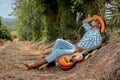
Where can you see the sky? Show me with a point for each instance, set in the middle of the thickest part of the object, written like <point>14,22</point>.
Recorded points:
<point>6,8</point>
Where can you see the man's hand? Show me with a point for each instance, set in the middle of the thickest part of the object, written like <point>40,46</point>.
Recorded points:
<point>95,17</point>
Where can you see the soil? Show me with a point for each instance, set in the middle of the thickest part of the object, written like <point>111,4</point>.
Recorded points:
<point>104,65</point>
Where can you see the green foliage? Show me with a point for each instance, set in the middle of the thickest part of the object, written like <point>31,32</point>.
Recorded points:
<point>4,33</point>
<point>50,19</point>
<point>66,19</point>
<point>114,8</point>
<point>29,22</point>
<point>42,19</point>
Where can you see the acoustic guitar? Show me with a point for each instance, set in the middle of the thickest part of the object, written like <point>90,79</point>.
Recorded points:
<point>68,61</point>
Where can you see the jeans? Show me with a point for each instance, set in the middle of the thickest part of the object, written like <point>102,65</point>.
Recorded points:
<point>60,47</point>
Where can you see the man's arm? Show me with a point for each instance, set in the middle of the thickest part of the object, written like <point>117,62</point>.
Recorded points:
<point>88,20</point>
<point>85,22</point>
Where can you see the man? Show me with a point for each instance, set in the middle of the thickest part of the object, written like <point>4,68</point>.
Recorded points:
<point>91,38</point>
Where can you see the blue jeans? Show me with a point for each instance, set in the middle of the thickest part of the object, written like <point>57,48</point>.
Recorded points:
<point>60,47</point>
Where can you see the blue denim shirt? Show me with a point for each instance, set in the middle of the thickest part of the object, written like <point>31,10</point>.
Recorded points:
<point>91,38</point>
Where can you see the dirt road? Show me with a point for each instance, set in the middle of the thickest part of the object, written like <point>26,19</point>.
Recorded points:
<point>105,65</point>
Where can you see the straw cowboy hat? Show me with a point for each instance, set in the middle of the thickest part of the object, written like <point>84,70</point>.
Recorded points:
<point>102,21</point>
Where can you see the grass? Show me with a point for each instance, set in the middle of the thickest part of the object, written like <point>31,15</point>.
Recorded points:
<point>113,32</point>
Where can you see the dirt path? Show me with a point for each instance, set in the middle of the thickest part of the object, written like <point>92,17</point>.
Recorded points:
<point>104,65</point>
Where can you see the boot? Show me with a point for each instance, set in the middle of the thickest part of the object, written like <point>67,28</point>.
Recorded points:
<point>31,66</point>
<point>36,64</point>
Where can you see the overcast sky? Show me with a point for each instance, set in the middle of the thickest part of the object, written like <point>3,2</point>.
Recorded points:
<point>6,8</point>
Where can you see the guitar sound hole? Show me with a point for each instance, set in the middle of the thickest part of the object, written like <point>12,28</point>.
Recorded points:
<point>72,60</point>
<point>65,59</point>
<point>73,56</point>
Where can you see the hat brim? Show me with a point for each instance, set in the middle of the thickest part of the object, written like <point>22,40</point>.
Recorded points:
<point>102,23</point>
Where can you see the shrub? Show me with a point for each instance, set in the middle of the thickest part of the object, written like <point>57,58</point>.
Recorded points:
<point>4,33</point>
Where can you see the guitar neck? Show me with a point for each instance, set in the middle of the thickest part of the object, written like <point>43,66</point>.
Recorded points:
<point>86,52</point>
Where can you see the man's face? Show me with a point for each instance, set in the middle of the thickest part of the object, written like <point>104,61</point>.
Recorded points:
<point>95,23</point>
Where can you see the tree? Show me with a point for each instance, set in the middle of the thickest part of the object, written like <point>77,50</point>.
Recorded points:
<point>50,19</point>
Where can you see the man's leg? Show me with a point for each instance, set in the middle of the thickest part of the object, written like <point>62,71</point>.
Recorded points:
<point>60,44</point>
<point>61,47</point>
<point>58,52</point>
<point>63,44</point>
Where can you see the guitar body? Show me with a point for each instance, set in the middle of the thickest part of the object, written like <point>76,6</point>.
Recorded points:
<point>68,61</point>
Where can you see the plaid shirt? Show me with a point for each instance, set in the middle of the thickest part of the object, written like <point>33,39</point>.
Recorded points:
<point>91,38</point>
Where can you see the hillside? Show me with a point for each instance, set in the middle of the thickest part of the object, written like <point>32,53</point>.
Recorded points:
<point>9,22</point>
<point>105,65</point>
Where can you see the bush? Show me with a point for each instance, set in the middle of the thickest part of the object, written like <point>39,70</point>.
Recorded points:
<point>4,33</point>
